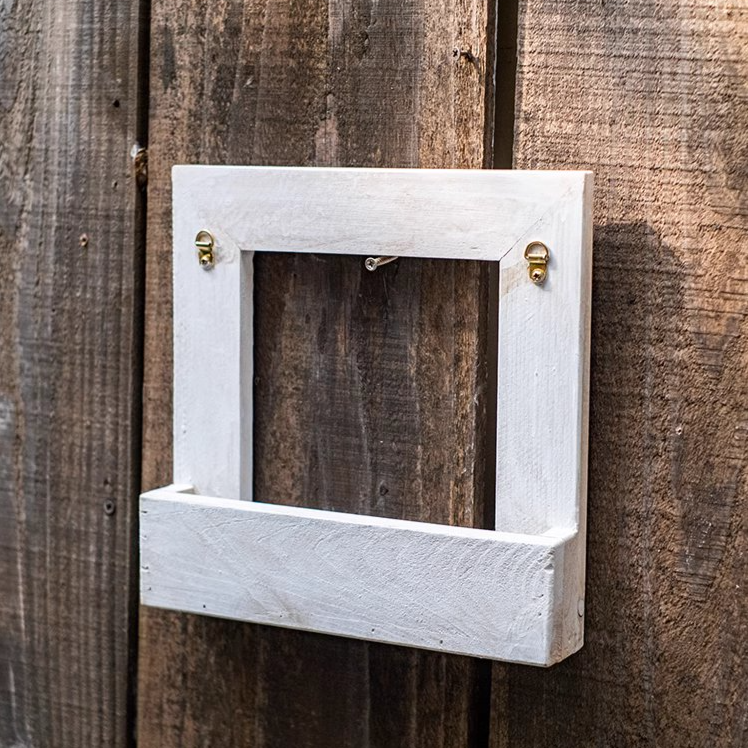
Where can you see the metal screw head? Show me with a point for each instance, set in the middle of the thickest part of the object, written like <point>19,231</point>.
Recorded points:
<point>206,260</point>
<point>537,275</point>
<point>372,263</point>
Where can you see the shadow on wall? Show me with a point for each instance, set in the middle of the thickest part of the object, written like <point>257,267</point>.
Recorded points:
<point>665,471</point>
<point>651,436</point>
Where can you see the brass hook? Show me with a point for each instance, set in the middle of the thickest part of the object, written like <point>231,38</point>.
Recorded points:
<point>205,244</point>
<point>537,255</point>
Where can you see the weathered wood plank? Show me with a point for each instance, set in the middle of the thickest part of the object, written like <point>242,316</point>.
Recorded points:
<point>453,589</point>
<point>69,371</point>
<point>652,98</point>
<point>382,372</point>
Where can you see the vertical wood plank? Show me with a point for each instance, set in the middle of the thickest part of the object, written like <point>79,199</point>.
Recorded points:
<point>70,367</point>
<point>370,388</point>
<point>652,97</point>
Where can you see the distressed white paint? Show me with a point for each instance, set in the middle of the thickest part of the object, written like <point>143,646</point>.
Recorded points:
<point>541,465</point>
<point>456,589</point>
<point>542,399</point>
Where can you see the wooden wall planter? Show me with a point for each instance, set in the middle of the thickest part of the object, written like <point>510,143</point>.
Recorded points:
<point>207,546</point>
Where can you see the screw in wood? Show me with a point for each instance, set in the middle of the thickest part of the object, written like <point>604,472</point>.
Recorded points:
<point>205,243</point>
<point>372,263</point>
<point>537,255</point>
<point>537,275</point>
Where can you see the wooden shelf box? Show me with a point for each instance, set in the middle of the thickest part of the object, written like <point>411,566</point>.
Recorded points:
<point>209,546</point>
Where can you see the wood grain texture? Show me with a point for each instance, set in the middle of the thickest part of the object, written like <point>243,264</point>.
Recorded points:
<point>385,370</point>
<point>490,215</point>
<point>502,596</point>
<point>454,214</point>
<point>651,97</point>
<point>69,371</point>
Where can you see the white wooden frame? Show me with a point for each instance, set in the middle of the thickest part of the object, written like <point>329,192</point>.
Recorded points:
<point>514,594</point>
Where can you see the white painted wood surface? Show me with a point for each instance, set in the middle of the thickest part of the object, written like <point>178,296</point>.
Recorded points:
<point>449,213</point>
<point>473,592</point>
<point>543,369</point>
<point>543,360</point>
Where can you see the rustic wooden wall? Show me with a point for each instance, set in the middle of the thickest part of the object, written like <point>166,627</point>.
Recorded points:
<point>70,343</point>
<point>369,387</point>
<point>654,98</point>
<point>366,384</point>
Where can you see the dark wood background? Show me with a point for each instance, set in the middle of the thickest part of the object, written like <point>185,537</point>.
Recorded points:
<point>72,106</point>
<point>371,388</point>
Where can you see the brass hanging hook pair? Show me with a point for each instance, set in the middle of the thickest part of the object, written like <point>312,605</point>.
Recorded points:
<point>536,254</point>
